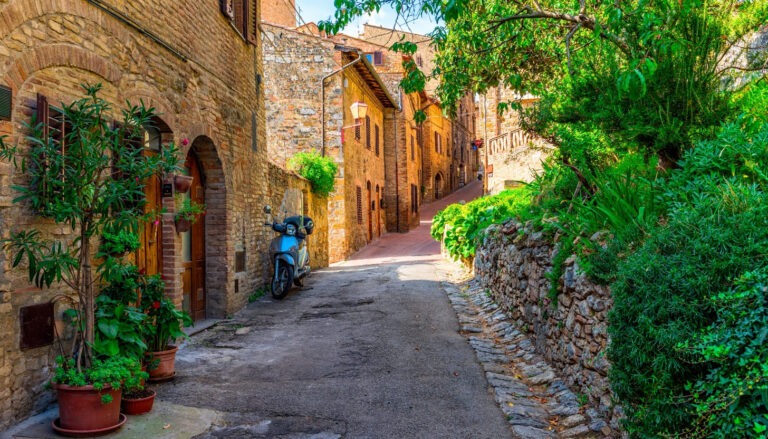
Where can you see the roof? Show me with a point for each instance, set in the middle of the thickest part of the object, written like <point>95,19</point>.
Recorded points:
<point>369,75</point>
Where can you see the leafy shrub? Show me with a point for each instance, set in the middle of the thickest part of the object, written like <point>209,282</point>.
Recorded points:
<point>731,400</point>
<point>716,229</point>
<point>320,171</point>
<point>460,226</point>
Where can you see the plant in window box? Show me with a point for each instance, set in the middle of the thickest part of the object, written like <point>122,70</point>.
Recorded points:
<point>188,211</point>
<point>163,327</point>
<point>97,174</point>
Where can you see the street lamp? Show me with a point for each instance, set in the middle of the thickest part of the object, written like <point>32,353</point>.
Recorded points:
<point>359,110</point>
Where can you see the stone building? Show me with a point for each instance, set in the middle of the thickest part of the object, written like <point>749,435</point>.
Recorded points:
<point>510,156</point>
<point>206,87</point>
<point>310,83</point>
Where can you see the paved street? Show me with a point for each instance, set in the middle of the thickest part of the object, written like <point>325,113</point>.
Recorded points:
<point>368,348</point>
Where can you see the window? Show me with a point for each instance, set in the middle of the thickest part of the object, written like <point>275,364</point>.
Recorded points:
<point>414,199</point>
<point>357,131</point>
<point>437,146</point>
<point>56,129</point>
<point>419,61</point>
<point>359,193</point>
<point>244,16</point>
<point>413,152</point>
<point>376,140</point>
<point>368,132</point>
<point>378,58</point>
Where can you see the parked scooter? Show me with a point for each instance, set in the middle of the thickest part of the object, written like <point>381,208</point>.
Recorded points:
<point>288,252</point>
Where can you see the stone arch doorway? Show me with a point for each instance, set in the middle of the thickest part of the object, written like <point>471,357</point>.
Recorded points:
<point>203,255</point>
<point>438,185</point>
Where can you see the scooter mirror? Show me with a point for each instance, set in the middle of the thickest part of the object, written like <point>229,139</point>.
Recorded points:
<point>267,209</point>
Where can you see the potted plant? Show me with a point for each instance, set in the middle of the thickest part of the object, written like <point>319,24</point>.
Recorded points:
<point>89,399</point>
<point>187,212</point>
<point>91,180</point>
<point>163,328</point>
<point>137,399</point>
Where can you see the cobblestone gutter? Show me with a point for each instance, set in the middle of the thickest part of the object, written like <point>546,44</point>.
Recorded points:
<point>570,334</point>
<point>535,400</point>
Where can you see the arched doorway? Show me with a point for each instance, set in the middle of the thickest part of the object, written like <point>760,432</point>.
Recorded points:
<point>193,246</point>
<point>438,185</point>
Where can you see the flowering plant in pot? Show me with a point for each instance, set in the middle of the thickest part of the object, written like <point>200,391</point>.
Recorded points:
<point>91,180</point>
<point>188,211</point>
<point>163,327</point>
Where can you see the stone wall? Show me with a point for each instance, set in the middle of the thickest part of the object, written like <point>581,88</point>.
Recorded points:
<point>314,207</point>
<point>570,333</point>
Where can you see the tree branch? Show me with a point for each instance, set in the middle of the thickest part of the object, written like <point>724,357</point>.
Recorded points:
<point>581,19</point>
<point>568,48</point>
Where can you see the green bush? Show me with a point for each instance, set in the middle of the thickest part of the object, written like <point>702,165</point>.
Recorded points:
<point>731,400</point>
<point>320,171</point>
<point>716,229</point>
<point>460,226</point>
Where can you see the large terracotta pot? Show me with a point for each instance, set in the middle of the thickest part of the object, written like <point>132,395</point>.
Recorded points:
<point>81,409</point>
<point>166,368</point>
<point>138,406</point>
<point>182,182</point>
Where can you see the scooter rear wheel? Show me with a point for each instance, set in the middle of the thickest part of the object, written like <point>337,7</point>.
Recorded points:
<point>282,280</point>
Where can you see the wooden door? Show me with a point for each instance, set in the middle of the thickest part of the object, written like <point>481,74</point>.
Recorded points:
<point>193,244</point>
<point>149,256</point>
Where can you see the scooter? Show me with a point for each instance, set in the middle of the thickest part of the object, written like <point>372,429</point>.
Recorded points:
<point>288,252</point>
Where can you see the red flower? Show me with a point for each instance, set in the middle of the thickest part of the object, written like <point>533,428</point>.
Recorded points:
<point>156,304</point>
<point>142,271</point>
<point>185,141</point>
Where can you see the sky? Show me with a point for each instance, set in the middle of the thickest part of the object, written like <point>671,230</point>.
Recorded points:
<point>316,10</point>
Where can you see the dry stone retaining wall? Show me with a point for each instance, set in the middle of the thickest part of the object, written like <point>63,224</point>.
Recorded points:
<point>512,262</point>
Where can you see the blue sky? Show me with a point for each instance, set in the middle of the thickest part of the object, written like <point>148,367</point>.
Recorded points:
<point>316,10</point>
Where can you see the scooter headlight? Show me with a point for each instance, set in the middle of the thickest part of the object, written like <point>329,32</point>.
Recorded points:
<point>290,229</point>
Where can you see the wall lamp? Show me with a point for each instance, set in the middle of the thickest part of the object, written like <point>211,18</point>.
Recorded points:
<point>359,110</point>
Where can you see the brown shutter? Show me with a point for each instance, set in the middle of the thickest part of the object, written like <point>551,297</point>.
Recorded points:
<point>378,59</point>
<point>368,132</point>
<point>239,18</point>
<point>253,23</point>
<point>359,191</point>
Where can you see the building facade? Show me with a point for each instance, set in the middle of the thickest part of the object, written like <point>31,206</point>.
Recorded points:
<point>510,156</point>
<point>310,83</point>
<point>206,86</point>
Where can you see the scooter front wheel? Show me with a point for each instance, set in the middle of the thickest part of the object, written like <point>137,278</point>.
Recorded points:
<point>282,280</point>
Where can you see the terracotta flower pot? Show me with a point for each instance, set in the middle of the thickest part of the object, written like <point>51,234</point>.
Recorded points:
<point>182,225</point>
<point>166,368</point>
<point>81,409</point>
<point>138,406</point>
<point>182,183</point>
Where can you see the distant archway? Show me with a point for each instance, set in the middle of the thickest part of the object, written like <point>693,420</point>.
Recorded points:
<point>438,185</point>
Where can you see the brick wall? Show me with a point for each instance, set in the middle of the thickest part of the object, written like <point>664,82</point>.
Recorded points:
<point>281,12</point>
<point>203,84</point>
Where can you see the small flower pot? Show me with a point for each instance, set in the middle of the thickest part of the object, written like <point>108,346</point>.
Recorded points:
<point>182,225</point>
<point>137,406</point>
<point>182,183</point>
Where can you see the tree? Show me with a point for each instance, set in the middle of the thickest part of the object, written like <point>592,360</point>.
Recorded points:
<point>91,179</point>
<point>653,71</point>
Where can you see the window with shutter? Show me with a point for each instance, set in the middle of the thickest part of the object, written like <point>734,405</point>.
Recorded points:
<point>368,132</point>
<point>413,152</point>
<point>357,131</point>
<point>359,193</point>
<point>376,141</point>
<point>378,58</point>
<point>437,145</point>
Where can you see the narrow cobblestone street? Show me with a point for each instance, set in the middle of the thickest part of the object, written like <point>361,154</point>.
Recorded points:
<point>368,348</point>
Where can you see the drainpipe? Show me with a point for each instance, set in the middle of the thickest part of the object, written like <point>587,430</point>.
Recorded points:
<point>397,175</point>
<point>322,95</point>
